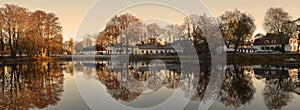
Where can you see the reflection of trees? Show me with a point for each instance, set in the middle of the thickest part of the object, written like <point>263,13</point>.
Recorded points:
<point>172,80</point>
<point>237,87</point>
<point>25,86</point>
<point>114,88</point>
<point>276,94</point>
<point>126,83</point>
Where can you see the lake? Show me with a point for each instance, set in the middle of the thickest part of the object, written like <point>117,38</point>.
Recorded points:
<point>163,84</point>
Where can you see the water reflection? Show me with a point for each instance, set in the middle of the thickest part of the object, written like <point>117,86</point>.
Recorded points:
<point>237,87</point>
<point>30,85</point>
<point>238,90</point>
<point>41,84</point>
<point>280,84</point>
<point>127,81</point>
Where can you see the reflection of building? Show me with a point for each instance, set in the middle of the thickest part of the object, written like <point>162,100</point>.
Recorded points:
<point>275,72</point>
<point>271,43</point>
<point>127,80</point>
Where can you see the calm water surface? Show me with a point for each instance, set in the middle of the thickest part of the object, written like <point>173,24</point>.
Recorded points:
<point>81,85</point>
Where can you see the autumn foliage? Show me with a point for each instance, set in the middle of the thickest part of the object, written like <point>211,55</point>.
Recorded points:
<point>29,33</point>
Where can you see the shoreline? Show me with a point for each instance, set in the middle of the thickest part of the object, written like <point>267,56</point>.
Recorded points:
<point>238,58</point>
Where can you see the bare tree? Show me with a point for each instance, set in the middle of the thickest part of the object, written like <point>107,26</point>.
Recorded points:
<point>174,32</point>
<point>278,21</point>
<point>154,30</point>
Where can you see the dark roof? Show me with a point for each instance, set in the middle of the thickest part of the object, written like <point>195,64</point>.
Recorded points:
<point>94,48</point>
<point>89,48</point>
<point>161,47</point>
<point>271,41</point>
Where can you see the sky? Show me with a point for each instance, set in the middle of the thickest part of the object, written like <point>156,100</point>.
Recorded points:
<point>74,14</point>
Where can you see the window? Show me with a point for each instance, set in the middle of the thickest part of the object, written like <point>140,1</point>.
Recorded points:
<point>262,48</point>
<point>272,48</point>
<point>267,42</point>
<point>273,42</point>
<point>142,51</point>
<point>267,48</point>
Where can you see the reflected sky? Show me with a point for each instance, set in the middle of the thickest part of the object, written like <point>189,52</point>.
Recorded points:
<point>245,87</point>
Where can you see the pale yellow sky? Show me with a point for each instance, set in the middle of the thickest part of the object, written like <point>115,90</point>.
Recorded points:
<point>72,12</point>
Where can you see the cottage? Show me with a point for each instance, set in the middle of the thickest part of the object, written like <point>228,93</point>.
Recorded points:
<point>272,43</point>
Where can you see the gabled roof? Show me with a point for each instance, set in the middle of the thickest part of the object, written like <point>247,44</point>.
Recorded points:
<point>271,40</point>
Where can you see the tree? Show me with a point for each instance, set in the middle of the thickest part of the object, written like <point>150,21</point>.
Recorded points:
<point>236,27</point>
<point>190,25</point>
<point>154,30</point>
<point>78,47</point>
<point>117,24</point>
<point>87,41</point>
<point>278,21</point>
<point>15,25</point>
<point>200,27</point>
<point>53,31</point>
<point>174,32</point>
<point>2,42</point>
<point>71,45</point>
<point>133,33</point>
<point>102,40</point>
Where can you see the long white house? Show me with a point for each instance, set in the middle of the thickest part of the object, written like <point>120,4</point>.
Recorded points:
<point>156,49</point>
<point>271,43</point>
<point>144,49</point>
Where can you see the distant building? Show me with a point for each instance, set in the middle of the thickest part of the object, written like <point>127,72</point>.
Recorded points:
<point>119,49</point>
<point>144,49</point>
<point>93,50</point>
<point>272,43</point>
<point>89,50</point>
<point>156,49</point>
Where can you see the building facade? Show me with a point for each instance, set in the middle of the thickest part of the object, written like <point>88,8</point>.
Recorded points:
<point>271,43</point>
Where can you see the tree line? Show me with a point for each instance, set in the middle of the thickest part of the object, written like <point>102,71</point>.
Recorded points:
<point>237,28</point>
<point>29,33</point>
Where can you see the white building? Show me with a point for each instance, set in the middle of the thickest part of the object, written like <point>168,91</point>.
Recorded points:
<point>119,49</point>
<point>144,49</point>
<point>272,43</point>
<point>156,49</point>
